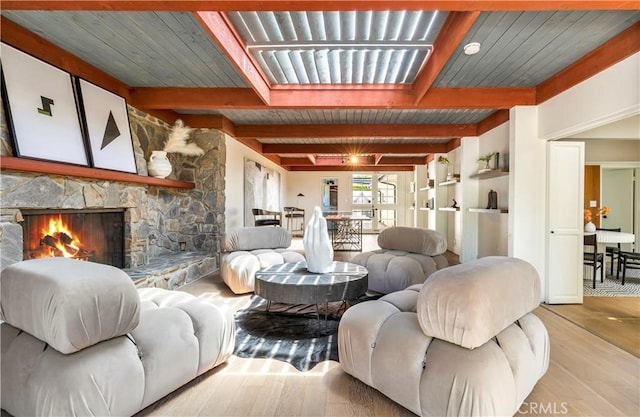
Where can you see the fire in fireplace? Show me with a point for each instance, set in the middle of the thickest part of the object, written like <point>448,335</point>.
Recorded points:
<point>91,235</point>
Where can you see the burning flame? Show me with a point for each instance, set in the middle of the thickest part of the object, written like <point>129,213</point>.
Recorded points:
<point>64,240</point>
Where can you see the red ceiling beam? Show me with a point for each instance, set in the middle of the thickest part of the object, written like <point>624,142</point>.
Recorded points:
<point>355,131</point>
<point>196,98</point>
<point>230,42</point>
<point>356,148</point>
<point>318,5</point>
<point>608,54</point>
<point>493,120</point>
<point>17,36</point>
<point>209,121</point>
<point>311,158</point>
<point>452,33</point>
<point>383,168</point>
<point>362,160</point>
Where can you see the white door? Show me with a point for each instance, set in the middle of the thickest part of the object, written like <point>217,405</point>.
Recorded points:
<point>565,191</point>
<point>376,195</point>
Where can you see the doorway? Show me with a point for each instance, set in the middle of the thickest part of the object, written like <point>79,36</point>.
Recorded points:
<point>377,196</point>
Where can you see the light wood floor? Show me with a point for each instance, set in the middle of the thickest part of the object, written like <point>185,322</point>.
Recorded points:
<point>615,319</point>
<point>588,376</point>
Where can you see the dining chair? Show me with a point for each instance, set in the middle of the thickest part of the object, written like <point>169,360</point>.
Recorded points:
<point>592,258</point>
<point>612,251</point>
<point>266,217</point>
<point>626,260</point>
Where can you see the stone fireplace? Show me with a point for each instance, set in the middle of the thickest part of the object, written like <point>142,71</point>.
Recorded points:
<point>171,235</point>
<point>87,235</point>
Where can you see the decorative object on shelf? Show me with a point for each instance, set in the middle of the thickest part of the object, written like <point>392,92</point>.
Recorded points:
<point>455,204</point>
<point>445,161</point>
<point>317,246</point>
<point>40,126</point>
<point>412,187</point>
<point>496,161</point>
<point>431,203</point>
<point>493,200</point>
<point>106,126</point>
<point>177,141</point>
<point>589,226</point>
<point>486,159</point>
<point>159,165</point>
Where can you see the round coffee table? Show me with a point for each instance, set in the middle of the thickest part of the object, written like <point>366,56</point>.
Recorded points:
<point>291,283</point>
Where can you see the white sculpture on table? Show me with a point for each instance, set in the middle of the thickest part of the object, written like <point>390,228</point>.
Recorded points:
<point>317,246</point>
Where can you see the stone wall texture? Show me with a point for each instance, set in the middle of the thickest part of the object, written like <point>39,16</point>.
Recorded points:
<point>156,218</point>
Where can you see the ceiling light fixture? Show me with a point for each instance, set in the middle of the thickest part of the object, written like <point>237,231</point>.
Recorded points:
<point>472,48</point>
<point>353,159</point>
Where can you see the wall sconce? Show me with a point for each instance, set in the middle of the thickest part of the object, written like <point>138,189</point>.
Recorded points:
<point>183,246</point>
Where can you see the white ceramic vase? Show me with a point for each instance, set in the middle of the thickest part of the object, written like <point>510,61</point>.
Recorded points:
<point>159,165</point>
<point>590,227</point>
<point>317,246</point>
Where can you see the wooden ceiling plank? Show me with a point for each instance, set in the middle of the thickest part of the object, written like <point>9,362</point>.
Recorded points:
<point>318,5</point>
<point>478,98</point>
<point>355,131</point>
<point>340,148</point>
<point>452,33</point>
<point>223,33</point>
<point>608,54</point>
<point>18,37</point>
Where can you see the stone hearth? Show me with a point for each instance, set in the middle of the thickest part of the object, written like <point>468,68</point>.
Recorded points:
<point>157,218</point>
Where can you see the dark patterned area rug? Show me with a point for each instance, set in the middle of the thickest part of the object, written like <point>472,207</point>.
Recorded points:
<point>612,287</point>
<point>289,333</point>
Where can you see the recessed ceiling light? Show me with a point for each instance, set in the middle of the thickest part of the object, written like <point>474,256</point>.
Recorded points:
<point>472,48</point>
<point>353,159</point>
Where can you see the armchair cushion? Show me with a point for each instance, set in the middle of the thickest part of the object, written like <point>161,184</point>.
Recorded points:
<point>470,303</point>
<point>413,239</point>
<point>250,238</point>
<point>67,303</point>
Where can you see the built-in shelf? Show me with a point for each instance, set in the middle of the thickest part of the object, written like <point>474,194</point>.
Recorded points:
<point>425,188</point>
<point>449,209</point>
<point>490,174</point>
<point>12,163</point>
<point>482,210</point>
<point>449,182</point>
<point>425,209</point>
<point>429,186</point>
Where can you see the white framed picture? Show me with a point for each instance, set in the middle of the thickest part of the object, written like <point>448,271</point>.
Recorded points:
<point>41,109</point>
<point>106,124</point>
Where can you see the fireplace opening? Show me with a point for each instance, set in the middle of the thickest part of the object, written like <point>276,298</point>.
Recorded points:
<point>90,235</point>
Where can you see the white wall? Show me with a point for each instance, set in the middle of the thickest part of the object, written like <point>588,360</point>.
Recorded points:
<point>234,181</point>
<point>527,189</point>
<point>493,228</point>
<point>609,96</point>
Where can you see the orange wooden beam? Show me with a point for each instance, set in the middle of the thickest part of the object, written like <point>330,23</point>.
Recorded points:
<point>342,148</point>
<point>251,144</point>
<point>611,52</point>
<point>18,37</point>
<point>209,121</point>
<point>452,144</point>
<point>378,157</point>
<point>452,33</point>
<point>196,98</point>
<point>383,168</point>
<point>318,5</point>
<point>355,131</point>
<point>493,120</point>
<point>224,34</point>
<point>311,158</point>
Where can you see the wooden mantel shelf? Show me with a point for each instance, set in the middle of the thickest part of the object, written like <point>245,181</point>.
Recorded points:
<point>30,165</point>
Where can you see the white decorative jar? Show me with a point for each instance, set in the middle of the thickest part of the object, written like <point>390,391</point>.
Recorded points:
<point>317,246</point>
<point>159,165</point>
<point>590,227</point>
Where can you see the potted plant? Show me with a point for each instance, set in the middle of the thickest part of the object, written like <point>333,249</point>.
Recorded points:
<point>486,159</point>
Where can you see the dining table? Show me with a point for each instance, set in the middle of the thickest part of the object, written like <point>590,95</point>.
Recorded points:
<point>608,237</point>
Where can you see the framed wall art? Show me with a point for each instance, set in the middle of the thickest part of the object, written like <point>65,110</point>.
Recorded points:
<point>106,125</point>
<point>41,109</point>
<point>261,189</point>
